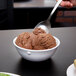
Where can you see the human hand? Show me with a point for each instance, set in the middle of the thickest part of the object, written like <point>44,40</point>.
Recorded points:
<point>66,3</point>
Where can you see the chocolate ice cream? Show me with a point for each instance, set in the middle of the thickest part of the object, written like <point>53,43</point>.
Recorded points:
<point>36,40</point>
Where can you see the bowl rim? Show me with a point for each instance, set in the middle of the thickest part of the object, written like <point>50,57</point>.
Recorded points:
<point>57,44</point>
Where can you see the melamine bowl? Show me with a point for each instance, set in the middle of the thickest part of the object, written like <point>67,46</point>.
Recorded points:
<point>36,55</point>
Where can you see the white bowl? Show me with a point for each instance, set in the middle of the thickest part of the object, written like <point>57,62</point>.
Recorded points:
<point>36,55</point>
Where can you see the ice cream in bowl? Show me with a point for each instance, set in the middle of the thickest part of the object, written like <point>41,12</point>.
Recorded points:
<point>36,45</point>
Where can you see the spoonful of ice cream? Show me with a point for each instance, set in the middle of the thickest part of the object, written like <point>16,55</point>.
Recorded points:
<point>46,25</point>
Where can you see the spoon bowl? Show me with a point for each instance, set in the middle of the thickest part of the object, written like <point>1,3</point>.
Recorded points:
<point>45,25</point>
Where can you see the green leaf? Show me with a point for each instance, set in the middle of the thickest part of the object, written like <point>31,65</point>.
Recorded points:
<point>2,74</point>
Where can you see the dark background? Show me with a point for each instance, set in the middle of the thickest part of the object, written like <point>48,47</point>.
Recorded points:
<point>23,18</point>
<point>6,14</point>
<point>3,4</point>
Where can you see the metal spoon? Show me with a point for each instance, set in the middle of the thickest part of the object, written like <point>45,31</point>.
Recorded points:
<point>46,25</point>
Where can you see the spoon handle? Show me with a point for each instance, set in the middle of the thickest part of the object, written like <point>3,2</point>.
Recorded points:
<point>55,7</point>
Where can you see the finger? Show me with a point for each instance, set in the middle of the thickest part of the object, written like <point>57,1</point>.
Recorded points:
<point>66,4</point>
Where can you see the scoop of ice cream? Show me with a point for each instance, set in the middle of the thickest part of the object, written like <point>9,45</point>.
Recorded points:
<point>24,41</point>
<point>43,41</point>
<point>38,31</point>
<point>46,40</point>
<point>37,40</point>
